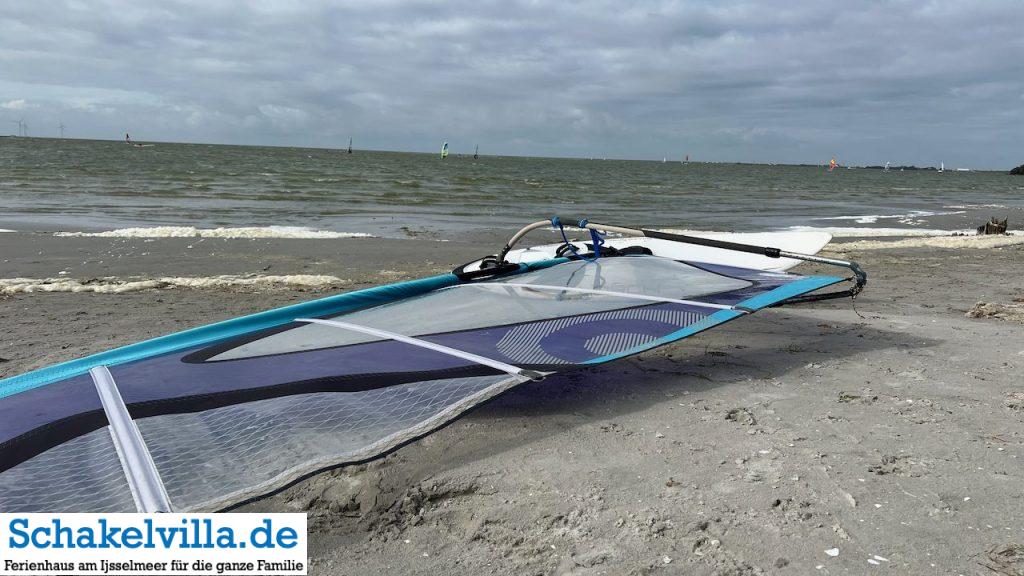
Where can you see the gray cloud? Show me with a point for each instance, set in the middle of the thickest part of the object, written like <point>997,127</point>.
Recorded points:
<point>910,82</point>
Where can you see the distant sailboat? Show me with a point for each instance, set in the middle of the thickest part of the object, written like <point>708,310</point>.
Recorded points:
<point>444,150</point>
<point>832,164</point>
<point>886,167</point>
<point>942,167</point>
<point>350,145</point>
<point>663,160</point>
<point>476,152</point>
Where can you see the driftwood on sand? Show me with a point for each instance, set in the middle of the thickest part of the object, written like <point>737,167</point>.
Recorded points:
<point>993,226</point>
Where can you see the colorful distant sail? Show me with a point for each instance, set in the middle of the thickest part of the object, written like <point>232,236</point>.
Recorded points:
<point>832,164</point>
<point>444,150</point>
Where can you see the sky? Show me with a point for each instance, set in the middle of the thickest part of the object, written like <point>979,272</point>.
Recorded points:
<point>793,81</point>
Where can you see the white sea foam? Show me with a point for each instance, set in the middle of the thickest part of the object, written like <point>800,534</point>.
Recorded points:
<point>913,217</point>
<point>5,230</point>
<point>866,232</point>
<point>992,241</point>
<point>901,238</point>
<point>241,232</point>
<point>114,285</point>
<point>980,206</point>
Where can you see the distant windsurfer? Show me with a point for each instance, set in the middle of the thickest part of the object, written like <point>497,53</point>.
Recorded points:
<point>128,140</point>
<point>832,164</point>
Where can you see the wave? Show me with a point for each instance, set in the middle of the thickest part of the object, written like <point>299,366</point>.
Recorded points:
<point>2,230</point>
<point>193,232</point>
<point>115,285</point>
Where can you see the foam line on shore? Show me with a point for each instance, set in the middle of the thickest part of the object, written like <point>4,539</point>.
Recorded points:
<point>854,232</point>
<point>983,206</point>
<point>911,217</point>
<point>240,232</point>
<point>957,242</point>
<point>115,285</point>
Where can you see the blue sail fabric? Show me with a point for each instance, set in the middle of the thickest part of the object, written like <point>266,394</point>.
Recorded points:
<point>238,408</point>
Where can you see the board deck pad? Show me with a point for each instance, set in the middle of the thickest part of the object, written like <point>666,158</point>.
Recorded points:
<point>240,409</point>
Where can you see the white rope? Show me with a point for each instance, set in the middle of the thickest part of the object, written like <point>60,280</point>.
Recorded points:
<point>602,292</point>
<point>140,470</point>
<point>513,370</point>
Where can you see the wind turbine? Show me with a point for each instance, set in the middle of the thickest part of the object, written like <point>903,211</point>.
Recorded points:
<point>22,127</point>
<point>61,126</point>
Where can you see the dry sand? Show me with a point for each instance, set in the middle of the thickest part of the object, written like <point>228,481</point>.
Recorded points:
<point>805,440</point>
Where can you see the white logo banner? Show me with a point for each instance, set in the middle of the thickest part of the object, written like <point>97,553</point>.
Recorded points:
<point>107,544</point>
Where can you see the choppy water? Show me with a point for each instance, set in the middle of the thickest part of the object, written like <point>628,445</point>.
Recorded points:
<point>72,185</point>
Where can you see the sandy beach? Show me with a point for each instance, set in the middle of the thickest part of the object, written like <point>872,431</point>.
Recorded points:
<point>819,439</point>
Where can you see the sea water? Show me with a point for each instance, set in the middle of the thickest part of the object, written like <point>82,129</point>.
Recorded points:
<point>87,187</point>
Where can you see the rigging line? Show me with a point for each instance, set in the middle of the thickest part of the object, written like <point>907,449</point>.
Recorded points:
<point>140,470</point>
<point>498,365</point>
<point>606,293</point>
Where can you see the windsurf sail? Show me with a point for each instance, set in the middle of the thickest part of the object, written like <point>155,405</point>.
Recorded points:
<point>832,164</point>
<point>476,152</point>
<point>350,145</point>
<point>213,416</point>
<point>444,150</point>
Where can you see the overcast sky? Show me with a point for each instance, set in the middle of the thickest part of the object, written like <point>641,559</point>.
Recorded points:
<point>789,81</point>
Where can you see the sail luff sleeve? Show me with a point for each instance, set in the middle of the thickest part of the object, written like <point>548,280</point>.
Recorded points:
<point>143,477</point>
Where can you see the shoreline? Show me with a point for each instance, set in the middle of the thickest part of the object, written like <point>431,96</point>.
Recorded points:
<point>752,448</point>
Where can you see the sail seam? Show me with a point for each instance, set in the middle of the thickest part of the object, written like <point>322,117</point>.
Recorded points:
<point>496,364</point>
<point>604,293</point>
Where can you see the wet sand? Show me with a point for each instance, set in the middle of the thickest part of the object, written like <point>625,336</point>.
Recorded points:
<point>893,438</point>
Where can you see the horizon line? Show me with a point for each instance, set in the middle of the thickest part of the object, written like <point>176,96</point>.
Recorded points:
<point>344,148</point>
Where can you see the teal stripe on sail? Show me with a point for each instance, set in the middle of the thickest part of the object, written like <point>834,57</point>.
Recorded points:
<point>226,329</point>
